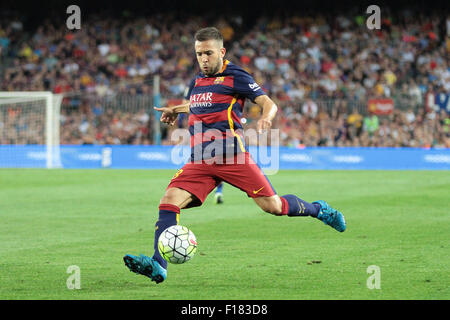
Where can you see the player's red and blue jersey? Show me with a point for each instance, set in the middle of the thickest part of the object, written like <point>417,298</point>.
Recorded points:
<point>216,107</point>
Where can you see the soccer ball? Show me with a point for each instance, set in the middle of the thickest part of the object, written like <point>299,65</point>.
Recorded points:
<point>177,244</point>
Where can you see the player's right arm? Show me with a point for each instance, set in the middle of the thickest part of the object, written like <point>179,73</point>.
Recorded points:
<point>170,114</point>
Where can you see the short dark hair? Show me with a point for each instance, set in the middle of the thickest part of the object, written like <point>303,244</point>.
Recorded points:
<point>209,33</point>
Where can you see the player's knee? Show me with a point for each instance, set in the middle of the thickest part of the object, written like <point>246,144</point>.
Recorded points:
<point>273,210</point>
<point>166,199</point>
<point>170,197</point>
<point>177,197</point>
<point>271,205</point>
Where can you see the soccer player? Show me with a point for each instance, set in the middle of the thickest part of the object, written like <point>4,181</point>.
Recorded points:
<point>218,196</point>
<point>216,99</point>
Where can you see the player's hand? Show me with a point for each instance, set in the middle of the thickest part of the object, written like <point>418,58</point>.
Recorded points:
<point>263,124</point>
<point>168,116</point>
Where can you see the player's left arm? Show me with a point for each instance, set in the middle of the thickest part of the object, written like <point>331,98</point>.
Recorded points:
<point>269,111</point>
<point>245,85</point>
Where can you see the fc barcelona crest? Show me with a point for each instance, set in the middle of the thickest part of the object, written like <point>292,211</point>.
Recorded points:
<point>219,80</point>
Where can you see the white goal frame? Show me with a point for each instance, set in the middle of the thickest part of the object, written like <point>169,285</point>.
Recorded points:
<point>52,119</point>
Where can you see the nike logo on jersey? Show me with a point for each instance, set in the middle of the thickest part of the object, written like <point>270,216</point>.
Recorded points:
<point>256,191</point>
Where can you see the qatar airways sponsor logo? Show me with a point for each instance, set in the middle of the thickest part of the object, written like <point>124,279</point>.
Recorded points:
<point>201,100</point>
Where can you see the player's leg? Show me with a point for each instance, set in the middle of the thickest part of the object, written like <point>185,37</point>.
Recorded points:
<point>287,205</point>
<point>251,179</point>
<point>218,196</point>
<point>248,176</point>
<point>270,204</point>
<point>293,206</point>
<point>155,267</point>
<point>188,188</point>
<point>177,197</point>
<point>170,205</point>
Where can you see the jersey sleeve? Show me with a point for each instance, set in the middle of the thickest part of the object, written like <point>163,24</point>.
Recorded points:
<point>188,90</point>
<point>245,85</point>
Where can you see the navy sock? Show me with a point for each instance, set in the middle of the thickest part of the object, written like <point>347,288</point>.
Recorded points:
<point>293,206</point>
<point>168,216</point>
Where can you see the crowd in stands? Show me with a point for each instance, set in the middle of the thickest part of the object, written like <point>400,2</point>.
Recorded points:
<point>296,129</point>
<point>298,61</point>
<point>340,127</point>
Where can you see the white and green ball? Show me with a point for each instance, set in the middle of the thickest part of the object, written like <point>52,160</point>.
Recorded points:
<point>177,244</point>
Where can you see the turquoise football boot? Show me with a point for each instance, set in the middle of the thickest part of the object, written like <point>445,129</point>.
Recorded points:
<point>146,266</point>
<point>331,216</point>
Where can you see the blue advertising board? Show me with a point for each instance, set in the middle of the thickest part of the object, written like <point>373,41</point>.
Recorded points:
<point>170,157</point>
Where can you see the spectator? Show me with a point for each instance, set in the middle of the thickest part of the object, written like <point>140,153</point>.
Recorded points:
<point>309,108</point>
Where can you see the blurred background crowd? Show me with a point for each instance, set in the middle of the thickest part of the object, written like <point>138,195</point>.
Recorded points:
<point>321,68</point>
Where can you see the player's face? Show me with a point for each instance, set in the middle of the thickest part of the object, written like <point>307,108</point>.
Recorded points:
<point>210,55</point>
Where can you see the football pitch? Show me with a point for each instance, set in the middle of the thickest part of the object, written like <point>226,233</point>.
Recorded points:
<point>396,245</point>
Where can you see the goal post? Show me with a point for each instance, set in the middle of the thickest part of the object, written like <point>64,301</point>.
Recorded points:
<point>29,118</point>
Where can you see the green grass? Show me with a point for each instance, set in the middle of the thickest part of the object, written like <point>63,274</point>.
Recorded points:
<point>396,220</point>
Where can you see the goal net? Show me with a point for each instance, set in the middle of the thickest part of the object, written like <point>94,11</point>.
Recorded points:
<point>29,129</point>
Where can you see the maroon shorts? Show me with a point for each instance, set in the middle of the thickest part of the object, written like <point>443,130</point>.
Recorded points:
<point>200,179</point>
